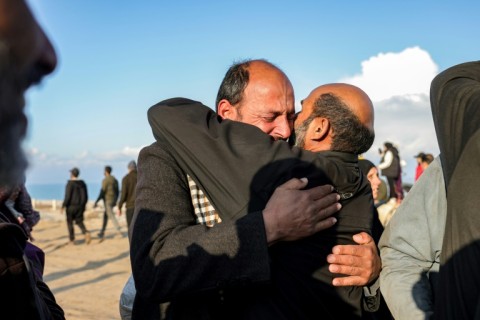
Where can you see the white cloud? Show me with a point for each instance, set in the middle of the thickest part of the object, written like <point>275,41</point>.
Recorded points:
<point>396,74</point>
<point>51,168</point>
<point>399,86</point>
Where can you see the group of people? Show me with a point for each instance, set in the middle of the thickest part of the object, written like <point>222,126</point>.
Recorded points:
<point>233,222</point>
<point>209,257</point>
<point>76,198</point>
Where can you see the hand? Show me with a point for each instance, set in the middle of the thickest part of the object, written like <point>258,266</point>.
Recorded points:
<point>119,212</point>
<point>361,263</point>
<point>292,213</point>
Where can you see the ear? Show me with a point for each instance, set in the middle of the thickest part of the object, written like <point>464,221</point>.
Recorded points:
<point>320,128</point>
<point>226,110</point>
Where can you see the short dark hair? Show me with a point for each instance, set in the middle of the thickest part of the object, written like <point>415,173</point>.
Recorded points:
<point>428,158</point>
<point>349,134</point>
<point>108,169</point>
<point>75,172</point>
<point>235,81</point>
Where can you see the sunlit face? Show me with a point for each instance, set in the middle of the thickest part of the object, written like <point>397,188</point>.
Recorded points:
<point>302,124</point>
<point>26,55</point>
<point>375,181</point>
<point>268,103</point>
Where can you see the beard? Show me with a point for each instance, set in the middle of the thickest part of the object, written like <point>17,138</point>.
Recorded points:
<point>300,133</point>
<point>13,123</point>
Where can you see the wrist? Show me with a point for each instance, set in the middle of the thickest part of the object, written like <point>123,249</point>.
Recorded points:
<point>271,234</point>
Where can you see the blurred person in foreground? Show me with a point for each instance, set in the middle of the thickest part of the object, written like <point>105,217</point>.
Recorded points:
<point>26,56</point>
<point>455,102</point>
<point>411,245</point>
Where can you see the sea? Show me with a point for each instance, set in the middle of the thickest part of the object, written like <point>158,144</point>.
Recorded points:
<point>56,191</point>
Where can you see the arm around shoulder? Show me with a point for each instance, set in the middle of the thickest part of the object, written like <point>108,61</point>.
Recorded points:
<point>174,256</point>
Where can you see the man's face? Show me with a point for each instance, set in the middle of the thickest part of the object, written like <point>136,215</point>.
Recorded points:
<point>26,55</point>
<point>302,124</point>
<point>375,181</point>
<point>268,103</point>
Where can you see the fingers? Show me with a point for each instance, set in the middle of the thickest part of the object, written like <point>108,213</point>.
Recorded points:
<point>348,281</point>
<point>325,224</point>
<point>294,184</point>
<point>350,250</point>
<point>346,260</point>
<point>321,192</point>
<point>328,205</point>
<point>354,275</point>
<point>363,238</point>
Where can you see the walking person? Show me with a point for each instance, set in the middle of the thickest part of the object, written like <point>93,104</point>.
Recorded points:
<point>129,182</point>
<point>390,166</point>
<point>109,195</point>
<point>75,201</point>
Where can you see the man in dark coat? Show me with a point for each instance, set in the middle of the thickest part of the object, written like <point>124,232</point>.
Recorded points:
<point>75,201</point>
<point>127,196</point>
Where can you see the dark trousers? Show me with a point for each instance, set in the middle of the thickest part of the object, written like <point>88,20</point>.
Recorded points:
<point>75,213</point>
<point>395,188</point>
<point>129,216</point>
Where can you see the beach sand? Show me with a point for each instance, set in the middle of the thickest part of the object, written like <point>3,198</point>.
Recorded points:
<point>86,279</point>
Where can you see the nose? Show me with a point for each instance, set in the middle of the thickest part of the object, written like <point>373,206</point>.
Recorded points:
<point>283,130</point>
<point>45,60</point>
<point>48,58</point>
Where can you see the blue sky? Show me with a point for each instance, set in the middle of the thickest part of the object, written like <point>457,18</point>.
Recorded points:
<point>117,58</point>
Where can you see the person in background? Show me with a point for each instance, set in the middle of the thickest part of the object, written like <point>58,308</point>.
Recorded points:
<point>426,160</point>
<point>371,172</point>
<point>109,195</point>
<point>390,166</point>
<point>419,168</point>
<point>74,203</point>
<point>127,196</point>
<point>26,56</point>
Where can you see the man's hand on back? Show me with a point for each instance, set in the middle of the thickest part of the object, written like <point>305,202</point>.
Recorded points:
<point>361,263</point>
<point>293,213</point>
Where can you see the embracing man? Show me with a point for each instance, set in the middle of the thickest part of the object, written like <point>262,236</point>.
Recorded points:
<point>203,239</point>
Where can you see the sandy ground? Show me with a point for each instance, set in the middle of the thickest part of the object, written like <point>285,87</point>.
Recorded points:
<point>86,279</point>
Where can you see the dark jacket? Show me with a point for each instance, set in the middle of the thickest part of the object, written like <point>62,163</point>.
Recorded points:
<point>394,169</point>
<point>129,183</point>
<point>75,194</point>
<point>238,167</point>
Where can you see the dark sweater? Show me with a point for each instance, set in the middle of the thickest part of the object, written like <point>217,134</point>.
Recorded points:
<point>75,194</point>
